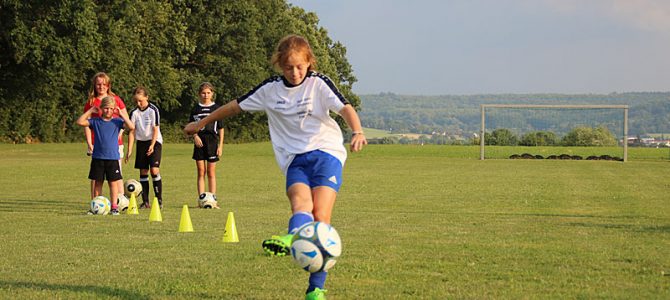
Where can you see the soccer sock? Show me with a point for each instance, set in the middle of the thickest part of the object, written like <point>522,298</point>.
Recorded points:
<point>158,187</point>
<point>298,219</point>
<point>317,280</point>
<point>144,180</point>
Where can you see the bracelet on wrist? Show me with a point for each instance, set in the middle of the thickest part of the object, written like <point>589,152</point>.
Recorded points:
<point>356,133</point>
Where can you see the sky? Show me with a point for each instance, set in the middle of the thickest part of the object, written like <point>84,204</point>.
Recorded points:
<point>465,47</point>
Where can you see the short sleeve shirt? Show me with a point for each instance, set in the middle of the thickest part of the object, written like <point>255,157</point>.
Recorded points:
<point>96,103</point>
<point>146,121</point>
<point>299,116</point>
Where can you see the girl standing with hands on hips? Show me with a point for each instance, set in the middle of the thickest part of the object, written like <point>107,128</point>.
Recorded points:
<point>307,142</point>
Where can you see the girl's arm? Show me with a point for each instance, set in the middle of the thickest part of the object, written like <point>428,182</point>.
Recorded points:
<point>219,149</point>
<point>127,122</point>
<point>358,139</point>
<point>131,141</point>
<point>121,131</point>
<point>83,119</point>
<point>154,137</point>
<point>228,110</point>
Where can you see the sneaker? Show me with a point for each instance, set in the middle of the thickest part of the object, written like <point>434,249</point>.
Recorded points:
<point>115,212</point>
<point>316,294</point>
<point>145,205</point>
<point>278,245</point>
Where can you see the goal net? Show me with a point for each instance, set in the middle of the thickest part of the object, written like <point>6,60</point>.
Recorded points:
<point>593,132</point>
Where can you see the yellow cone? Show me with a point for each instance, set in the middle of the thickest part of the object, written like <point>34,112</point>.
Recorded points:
<point>155,215</point>
<point>132,206</point>
<point>185,224</point>
<point>230,234</point>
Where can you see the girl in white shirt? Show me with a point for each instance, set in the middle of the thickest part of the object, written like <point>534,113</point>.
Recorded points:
<point>307,142</point>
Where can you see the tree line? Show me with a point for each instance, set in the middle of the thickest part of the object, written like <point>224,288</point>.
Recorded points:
<point>49,50</point>
<point>649,112</point>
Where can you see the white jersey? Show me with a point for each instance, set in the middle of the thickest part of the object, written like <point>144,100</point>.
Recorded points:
<point>299,116</point>
<point>144,121</point>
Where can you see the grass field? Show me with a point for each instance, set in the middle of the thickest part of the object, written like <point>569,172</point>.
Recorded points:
<point>417,222</point>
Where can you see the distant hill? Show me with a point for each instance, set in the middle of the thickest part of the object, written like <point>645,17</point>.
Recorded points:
<point>649,112</point>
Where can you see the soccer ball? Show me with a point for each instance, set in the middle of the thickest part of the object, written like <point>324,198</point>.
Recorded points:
<point>207,200</point>
<point>316,247</point>
<point>123,202</point>
<point>132,187</point>
<point>100,205</point>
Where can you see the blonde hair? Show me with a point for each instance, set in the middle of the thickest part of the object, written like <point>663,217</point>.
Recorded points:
<point>92,93</point>
<point>292,44</point>
<point>107,101</point>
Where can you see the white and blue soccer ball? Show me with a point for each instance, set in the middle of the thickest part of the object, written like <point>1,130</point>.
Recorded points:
<point>132,186</point>
<point>207,200</point>
<point>100,205</point>
<point>316,247</point>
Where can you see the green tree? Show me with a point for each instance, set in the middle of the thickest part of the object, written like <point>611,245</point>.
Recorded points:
<point>539,138</point>
<point>49,50</point>
<point>501,137</point>
<point>587,136</point>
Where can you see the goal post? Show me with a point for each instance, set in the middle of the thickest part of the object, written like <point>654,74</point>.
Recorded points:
<point>489,107</point>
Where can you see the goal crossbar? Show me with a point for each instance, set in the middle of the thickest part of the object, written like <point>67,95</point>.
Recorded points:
<point>483,108</point>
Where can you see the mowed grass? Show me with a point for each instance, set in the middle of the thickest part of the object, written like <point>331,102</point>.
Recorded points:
<point>417,222</point>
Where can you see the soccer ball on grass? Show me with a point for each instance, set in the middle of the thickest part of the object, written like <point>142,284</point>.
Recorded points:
<point>123,202</point>
<point>100,205</point>
<point>132,187</point>
<point>207,200</point>
<point>316,247</point>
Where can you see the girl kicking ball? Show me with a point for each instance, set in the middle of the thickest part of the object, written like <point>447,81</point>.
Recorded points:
<point>307,142</point>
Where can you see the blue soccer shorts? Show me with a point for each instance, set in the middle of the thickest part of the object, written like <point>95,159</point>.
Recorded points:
<point>315,168</point>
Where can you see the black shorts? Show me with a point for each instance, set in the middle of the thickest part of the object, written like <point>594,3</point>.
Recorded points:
<point>207,152</point>
<point>144,161</point>
<point>102,169</point>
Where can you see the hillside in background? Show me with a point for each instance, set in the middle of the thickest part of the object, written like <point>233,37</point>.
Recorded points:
<point>457,115</point>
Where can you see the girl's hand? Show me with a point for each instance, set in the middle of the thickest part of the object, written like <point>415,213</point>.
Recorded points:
<point>357,142</point>
<point>197,141</point>
<point>150,150</point>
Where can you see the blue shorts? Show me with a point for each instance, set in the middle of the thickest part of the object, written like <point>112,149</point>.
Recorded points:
<point>315,168</point>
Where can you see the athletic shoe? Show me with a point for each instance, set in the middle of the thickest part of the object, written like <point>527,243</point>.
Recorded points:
<point>115,212</point>
<point>278,245</point>
<point>316,294</point>
<point>145,205</point>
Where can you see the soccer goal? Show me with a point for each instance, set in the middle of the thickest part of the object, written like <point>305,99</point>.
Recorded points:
<point>593,132</point>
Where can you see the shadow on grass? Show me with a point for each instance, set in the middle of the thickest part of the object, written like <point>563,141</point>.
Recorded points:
<point>97,290</point>
<point>41,205</point>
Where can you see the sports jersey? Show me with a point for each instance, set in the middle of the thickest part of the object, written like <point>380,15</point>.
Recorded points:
<point>299,116</point>
<point>144,121</point>
<point>201,111</point>
<point>106,133</point>
<point>96,103</point>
